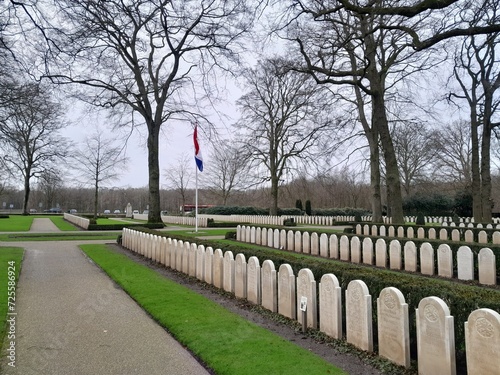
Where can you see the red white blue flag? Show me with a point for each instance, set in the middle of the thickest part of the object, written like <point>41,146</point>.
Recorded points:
<point>197,152</point>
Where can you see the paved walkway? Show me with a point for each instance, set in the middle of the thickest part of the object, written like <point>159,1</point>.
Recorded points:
<point>72,319</point>
<point>43,225</point>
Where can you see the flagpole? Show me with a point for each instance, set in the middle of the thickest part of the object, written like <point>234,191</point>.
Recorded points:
<point>196,202</point>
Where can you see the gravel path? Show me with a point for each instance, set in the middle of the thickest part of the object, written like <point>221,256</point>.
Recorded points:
<point>43,225</point>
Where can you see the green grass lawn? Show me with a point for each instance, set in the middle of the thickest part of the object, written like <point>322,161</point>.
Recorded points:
<point>226,342</point>
<point>16,223</point>
<point>58,236</point>
<point>14,255</point>
<point>202,232</point>
<point>62,224</point>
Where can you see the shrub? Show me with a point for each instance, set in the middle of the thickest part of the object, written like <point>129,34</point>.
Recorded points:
<point>420,219</point>
<point>290,222</point>
<point>230,235</point>
<point>298,204</point>
<point>308,207</point>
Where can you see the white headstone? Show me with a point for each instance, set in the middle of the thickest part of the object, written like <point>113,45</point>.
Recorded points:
<point>381,253</point>
<point>290,240</point>
<point>482,340</point>
<point>314,244</point>
<point>432,234</point>
<point>393,326</point>
<point>426,259</point>
<point>286,292</point>
<point>263,238</point>
<point>359,329</point>
<point>355,250</point>
<point>330,306</point>
<point>200,263</point>
<point>323,245</point>
<point>487,267</point>
<point>283,242</point>
<point>253,280</point>
<point>455,235</point>
<point>269,287</point>
<point>391,231</point>
<point>420,232</point>
<point>410,255</point>
<point>395,255</point>
<point>298,242</point>
<point>367,253</point>
<point>209,258</point>
<point>306,287</point>
<point>465,263</point>
<point>443,234</point>
<point>218,265</point>
<point>344,248</point>
<point>469,236</point>
<point>306,243</point>
<point>435,338</point>
<point>334,246</point>
<point>410,232</point>
<point>228,272</point>
<point>496,238</point>
<point>482,237</point>
<point>276,239</point>
<point>445,261</point>
<point>240,276</point>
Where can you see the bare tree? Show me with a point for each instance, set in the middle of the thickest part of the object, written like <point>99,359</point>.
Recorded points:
<point>227,171</point>
<point>284,114</point>
<point>29,134</point>
<point>146,58</point>
<point>454,154</point>
<point>415,146</point>
<point>99,161</point>
<point>477,72</point>
<point>457,17</point>
<point>180,176</point>
<point>370,52</point>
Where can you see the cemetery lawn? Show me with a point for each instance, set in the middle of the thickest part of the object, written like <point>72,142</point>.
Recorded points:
<point>224,341</point>
<point>16,223</point>
<point>203,232</point>
<point>59,236</point>
<point>7,254</point>
<point>63,224</point>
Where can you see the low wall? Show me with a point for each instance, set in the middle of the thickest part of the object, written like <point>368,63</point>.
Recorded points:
<point>77,220</point>
<point>284,292</point>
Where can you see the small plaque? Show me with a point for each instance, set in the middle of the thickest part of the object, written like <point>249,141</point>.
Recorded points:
<point>303,303</point>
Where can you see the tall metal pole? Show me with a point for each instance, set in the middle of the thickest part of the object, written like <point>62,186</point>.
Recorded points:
<point>196,202</point>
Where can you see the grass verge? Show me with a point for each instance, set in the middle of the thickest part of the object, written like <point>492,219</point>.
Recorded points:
<point>227,343</point>
<point>15,255</point>
<point>58,236</point>
<point>16,223</point>
<point>62,224</point>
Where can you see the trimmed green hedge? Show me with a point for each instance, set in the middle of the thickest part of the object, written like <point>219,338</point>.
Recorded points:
<point>460,297</point>
<point>125,225</point>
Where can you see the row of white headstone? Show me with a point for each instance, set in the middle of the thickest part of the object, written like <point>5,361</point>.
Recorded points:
<point>444,234</point>
<point>289,295</point>
<point>394,256</point>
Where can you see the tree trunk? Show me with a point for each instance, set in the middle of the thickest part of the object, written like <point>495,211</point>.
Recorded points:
<point>475,184</point>
<point>485,161</point>
<point>96,199</point>
<point>154,173</point>
<point>375,177</point>
<point>273,210</point>
<point>381,124</point>
<point>26,192</point>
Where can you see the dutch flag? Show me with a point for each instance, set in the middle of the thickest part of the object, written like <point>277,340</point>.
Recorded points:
<point>197,152</point>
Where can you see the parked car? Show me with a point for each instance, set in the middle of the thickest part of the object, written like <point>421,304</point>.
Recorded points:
<point>72,211</point>
<point>145,212</point>
<point>135,212</point>
<point>164,213</point>
<point>106,212</point>
<point>117,212</point>
<point>33,211</point>
<point>53,210</point>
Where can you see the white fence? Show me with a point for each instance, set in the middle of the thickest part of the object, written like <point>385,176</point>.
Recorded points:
<point>281,291</point>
